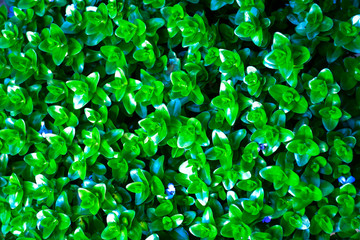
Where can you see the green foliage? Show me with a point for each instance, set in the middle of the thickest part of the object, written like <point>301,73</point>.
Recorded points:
<point>188,119</point>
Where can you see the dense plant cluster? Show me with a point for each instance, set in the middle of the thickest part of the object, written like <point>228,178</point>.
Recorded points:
<point>164,119</point>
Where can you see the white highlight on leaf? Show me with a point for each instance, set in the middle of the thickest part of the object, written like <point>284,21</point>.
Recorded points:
<point>91,9</point>
<point>69,9</point>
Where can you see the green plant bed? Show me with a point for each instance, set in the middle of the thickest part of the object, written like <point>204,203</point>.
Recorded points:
<point>162,119</point>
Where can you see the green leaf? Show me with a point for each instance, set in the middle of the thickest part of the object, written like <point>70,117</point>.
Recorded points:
<point>79,234</point>
<point>91,141</point>
<point>277,91</point>
<point>199,230</point>
<point>330,123</point>
<point>38,161</point>
<point>273,174</point>
<point>135,187</point>
<point>21,64</point>
<point>59,113</point>
<point>300,55</point>
<point>280,40</point>
<point>25,4</point>
<point>347,205</point>
<point>186,137</point>
<point>129,103</point>
<point>50,225</point>
<point>64,222</point>
<point>164,209</point>
<point>245,29</point>
<point>111,231</point>
<point>79,87</point>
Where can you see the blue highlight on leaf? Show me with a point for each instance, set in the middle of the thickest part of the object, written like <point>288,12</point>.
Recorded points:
<point>43,130</point>
<point>170,191</point>
<point>343,180</point>
<point>266,219</point>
